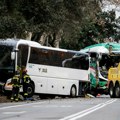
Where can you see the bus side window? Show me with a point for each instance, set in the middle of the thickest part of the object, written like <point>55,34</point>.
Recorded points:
<point>39,56</point>
<point>83,63</point>
<point>67,63</point>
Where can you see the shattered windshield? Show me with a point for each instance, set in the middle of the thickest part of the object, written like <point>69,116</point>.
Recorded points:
<point>5,56</point>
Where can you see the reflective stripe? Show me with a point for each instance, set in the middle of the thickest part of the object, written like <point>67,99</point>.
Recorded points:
<point>26,78</point>
<point>11,98</point>
<point>16,81</point>
<point>26,94</point>
<point>16,99</point>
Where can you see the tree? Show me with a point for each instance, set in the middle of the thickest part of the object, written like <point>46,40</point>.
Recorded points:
<point>48,21</point>
<point>79,13</point>
<point>12,24</point>
<point>102,29</point>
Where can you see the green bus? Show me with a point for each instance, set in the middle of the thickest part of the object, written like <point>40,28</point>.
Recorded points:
<point>101,61</point>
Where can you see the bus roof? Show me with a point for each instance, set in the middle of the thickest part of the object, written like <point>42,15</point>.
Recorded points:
<point>102,47</point>
<point>16,42</point>
<point>38,45</point>
<point>8,42</point>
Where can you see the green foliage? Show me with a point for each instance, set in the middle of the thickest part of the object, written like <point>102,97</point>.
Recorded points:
<point>78,15</point>
<point>77,19</point>
<point>12,24</point>
<point>104,27</point>
<point>44,15</point>
<point>11,27</point>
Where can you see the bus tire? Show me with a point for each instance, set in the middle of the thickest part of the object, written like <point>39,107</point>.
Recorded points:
<point>73,92</point>
<point>30,90</point>
<point>111,90</point>
<point>117,90</point>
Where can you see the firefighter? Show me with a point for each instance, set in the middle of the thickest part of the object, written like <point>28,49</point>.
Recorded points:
<point>15,87</point>
<point>25,80</point>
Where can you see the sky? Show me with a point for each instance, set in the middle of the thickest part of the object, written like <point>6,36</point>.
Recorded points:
<point>108,6</point>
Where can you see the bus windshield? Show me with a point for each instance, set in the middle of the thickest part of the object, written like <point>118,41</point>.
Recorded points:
<point>6,64</point>
<point>5,57</point>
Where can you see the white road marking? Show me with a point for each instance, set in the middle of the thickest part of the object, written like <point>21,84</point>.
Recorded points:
<point>53,106</point>
<point>13,113</point>
<point>36,106</point>
<point>88,111</point>
<point>27,104</point>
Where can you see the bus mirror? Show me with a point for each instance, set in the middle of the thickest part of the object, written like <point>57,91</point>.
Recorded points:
<point>12,55</point>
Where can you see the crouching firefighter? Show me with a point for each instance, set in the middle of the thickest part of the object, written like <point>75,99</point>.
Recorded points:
<point>26,81</point>
<point>15,87</point>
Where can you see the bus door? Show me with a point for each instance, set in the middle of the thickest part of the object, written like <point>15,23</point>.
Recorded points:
<point>82,62</point>
<point>22,56</point>
<point>94,78</point>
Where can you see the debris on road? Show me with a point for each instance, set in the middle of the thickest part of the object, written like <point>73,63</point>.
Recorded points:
<point>89,96</point>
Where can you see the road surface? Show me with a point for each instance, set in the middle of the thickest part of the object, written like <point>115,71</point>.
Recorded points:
<point>101,108</point>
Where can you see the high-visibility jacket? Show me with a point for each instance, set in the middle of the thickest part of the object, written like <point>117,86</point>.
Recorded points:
<point>15,81</point>
<point>26,78</point>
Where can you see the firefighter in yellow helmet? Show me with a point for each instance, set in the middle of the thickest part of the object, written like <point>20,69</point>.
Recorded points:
<point>25,80</point>
<point>15,86</point>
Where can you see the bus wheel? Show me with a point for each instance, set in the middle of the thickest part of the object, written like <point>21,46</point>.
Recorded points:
<point>111,90</point>
<point>117,90</point>
<point>73,92</point>
<point>30,90</point>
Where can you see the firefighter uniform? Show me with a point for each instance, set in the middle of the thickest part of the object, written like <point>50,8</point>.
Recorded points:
<point>15,87</point>
<point>26,80</point>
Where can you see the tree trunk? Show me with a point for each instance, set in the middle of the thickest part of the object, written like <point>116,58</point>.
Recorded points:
<point>58,38</point>
<point>43,38</point>
<point>29,35</point>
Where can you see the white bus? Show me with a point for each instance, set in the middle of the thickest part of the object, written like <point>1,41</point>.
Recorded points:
<point>53,71</point>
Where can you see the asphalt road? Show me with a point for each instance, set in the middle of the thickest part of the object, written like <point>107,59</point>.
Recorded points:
<point>101,108</point>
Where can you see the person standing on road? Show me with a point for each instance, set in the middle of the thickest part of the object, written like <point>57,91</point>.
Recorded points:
<point>26,81</point>
<point>15,87</point>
